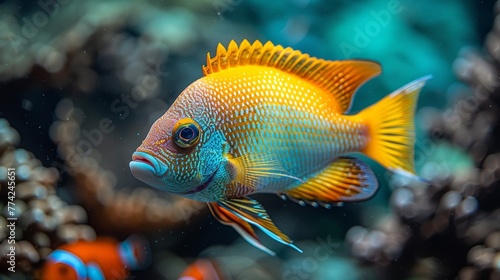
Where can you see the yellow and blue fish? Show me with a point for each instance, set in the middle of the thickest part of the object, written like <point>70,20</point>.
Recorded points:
<point>268,119</point>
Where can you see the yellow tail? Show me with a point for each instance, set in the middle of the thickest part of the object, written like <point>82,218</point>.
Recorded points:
<point>390,127</point>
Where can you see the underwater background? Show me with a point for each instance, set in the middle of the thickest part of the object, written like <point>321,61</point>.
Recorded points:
<point>81,83</point>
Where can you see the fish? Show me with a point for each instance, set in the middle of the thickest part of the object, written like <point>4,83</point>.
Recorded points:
<point>102,259</point>
<point>269,119</point>
<point>203,269</point>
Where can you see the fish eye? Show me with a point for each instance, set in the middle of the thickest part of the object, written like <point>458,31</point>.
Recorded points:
<point>186,133</point>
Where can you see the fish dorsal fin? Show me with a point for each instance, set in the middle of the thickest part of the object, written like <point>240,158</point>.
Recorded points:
<point>341,77</point>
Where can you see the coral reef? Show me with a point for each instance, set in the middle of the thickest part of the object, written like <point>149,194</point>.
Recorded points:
<point>44,220</point>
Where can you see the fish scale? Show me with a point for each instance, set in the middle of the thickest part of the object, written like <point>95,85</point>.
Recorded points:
<point>293,117</point>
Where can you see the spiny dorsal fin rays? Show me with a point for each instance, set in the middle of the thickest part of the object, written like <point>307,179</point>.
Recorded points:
<point>249,168</point>
<point>341,78</point>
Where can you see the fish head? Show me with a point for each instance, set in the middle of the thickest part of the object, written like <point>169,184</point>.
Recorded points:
<point>62,265</point>
<point>181,153</point>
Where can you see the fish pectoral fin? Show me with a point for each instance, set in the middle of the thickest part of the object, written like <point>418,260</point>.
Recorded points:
<point>243,228</point>
<point>249,211</point>
<point>248,169</point>
<point>346,179</point>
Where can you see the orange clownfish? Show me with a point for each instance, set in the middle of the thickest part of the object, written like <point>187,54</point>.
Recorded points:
<point>268,119</point>
<point>203,269</point>
<point>103,259</point>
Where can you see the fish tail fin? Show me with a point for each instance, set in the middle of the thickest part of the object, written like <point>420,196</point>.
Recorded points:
<point>391,128</point>
<point>135,252</point>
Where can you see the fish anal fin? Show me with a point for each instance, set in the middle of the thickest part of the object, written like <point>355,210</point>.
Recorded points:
<point>340,78</point>
<point>345,180</point>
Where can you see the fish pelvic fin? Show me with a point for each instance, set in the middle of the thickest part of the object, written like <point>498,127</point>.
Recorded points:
<point>243,228</point>
<point>241,213</point>
<point>341,77</point>
<point>345,180</point>
<point>391,130</point>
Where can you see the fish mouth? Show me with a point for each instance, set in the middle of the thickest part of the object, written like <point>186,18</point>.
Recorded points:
<point>142,159</point>
<point>146,162</point>
<point>201,187</point>
<point>143,165</point>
